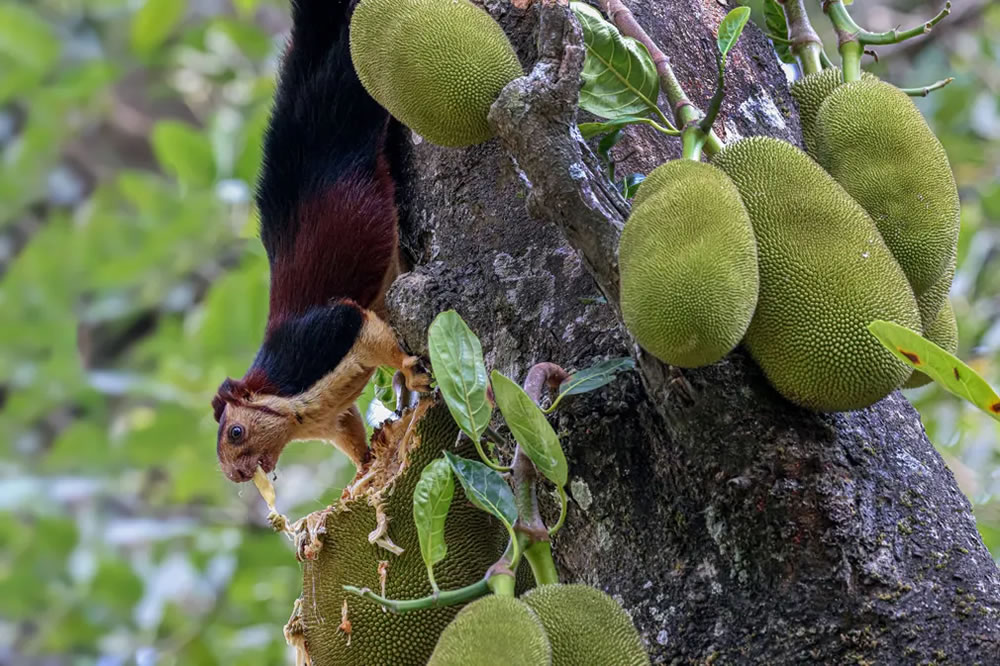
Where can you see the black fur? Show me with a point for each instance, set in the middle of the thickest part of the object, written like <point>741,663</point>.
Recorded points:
<point>301,350</point>
<point>324,125</point>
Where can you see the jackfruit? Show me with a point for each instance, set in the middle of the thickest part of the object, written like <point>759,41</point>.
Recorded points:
<point>586,626</point>
<point>493,630</point>
<point>943,332</point>
<point>825,274</point>
<point>436,65</point>
<point>872,139</point>
<point>809,93</point>
<point>931,301</point>
<point>688,263</point>
<point>475,541</point>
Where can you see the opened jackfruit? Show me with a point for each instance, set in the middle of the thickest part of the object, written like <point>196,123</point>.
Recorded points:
<point>494,630</point>
<point>688,263</point>
<point>872,139</point>
<point>586,626</point>
<point>825,274</point>
<point>436,65</point>
<point>475,541</point>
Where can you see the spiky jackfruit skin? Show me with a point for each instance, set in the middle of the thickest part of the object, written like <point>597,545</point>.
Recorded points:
<point>825,274</point>
<point>931,301</point>
<point>810,92</point>
<point>943,332</point>
<point>493,630</point>
<point>873,140</point>
<point>586,626</point>
<point>436,65</point>
<point>688,263</point>
<point>475,541</point>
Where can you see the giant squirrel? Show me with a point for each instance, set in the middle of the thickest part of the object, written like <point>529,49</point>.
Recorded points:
<point>329,226</point>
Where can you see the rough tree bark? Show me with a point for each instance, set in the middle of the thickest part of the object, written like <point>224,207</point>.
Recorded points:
<point>733,526</point>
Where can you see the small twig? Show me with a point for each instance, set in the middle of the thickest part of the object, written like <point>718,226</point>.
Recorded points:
<point>926,90</point>
<point>440,600</point>
<point>848,30</point>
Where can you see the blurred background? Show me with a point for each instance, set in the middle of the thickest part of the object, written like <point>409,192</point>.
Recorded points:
<point>132,283</point>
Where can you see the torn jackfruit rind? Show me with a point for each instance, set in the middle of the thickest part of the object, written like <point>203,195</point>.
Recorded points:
<point>475,541</point>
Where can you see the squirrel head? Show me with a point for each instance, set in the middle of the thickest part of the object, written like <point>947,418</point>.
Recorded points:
<point>254,428</point>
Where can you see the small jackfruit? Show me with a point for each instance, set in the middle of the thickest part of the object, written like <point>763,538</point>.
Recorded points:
<point>688,263</point>
<point>873,140</point>
<point>475,541</point>
<point>436,65</point>
<point>809,93</point>
<point>586,626</point>
<point>932,300</point>
<point>943,332</point>
<point>825,274</point>
<point>493,630</point>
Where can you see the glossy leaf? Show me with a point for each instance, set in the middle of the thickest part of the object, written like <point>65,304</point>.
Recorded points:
<point>631,185</point>
<point>431,500</point>
<point>590,130</point>
<point>184,152</point>
<point>592,378</point>
<point>485,488</point>
<point>531,429</point>
<point>730,29</point>
<point>944,368</point>
<point>457,361</point>
<point>619,78</point>
<point>775,24</point>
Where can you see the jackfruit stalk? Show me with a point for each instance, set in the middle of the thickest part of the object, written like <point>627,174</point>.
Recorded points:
<point>436,65</point>
<point>825,274</point>
<point>688,263</point>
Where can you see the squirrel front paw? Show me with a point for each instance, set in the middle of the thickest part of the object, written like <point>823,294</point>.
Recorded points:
<point>416,376</point>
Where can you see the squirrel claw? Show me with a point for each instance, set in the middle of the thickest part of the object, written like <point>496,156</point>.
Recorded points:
<point>417,378</point>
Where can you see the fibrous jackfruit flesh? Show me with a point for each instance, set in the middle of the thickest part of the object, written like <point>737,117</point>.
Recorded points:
<point>943,332</point>
<point>872,139</point>
<point>688,263</point>
<point>436,65</point>
<point>586,626</point>
<point>810,92</point>
<point>825,274</point>
<point>475,541</point>
<point>494,630</point>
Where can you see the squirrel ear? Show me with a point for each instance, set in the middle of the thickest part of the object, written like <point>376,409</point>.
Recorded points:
<point>218,405</point>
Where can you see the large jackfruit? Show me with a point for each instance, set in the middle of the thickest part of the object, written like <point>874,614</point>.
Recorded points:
<point>494,630</point>
<point>436,65</point>
<point>810,92</point>
<point>873,140</point>
<point>825,274</point>
<point>586,626</point>
<point>475,541</point>
<point>943,332</point>
<point>688,263</point>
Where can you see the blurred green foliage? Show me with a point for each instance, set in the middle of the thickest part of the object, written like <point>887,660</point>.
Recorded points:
<point>131,283</point>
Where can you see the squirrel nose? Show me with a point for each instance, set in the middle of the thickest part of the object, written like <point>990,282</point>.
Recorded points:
<point>238,475</point>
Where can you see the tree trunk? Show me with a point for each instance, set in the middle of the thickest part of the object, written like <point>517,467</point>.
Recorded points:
<point>732,526</point>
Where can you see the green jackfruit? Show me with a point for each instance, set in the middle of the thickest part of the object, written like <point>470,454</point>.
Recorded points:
<point>493,630</point>
<point>825,274</point>
<point>872,139</point>
<point>475,541</point>
<point>586,626</point>
<point>810,92</point>
<point>436,65</point>
<point>931,301</point>
<point>688,263</point>
<point>943,332</point>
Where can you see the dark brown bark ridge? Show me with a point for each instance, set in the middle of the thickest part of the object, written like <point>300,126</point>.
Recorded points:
<point>734,527</point>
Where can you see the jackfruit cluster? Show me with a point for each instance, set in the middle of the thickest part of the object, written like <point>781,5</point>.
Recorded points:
<point>494,630</point>
<point>475,541</point>
<point>825,274</point>
<point>436,65</point>
<point>585,626</point>
<point>688,264</point>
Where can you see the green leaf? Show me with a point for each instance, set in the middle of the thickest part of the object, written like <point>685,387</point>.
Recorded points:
<point>619,78</point>
<point>944,368</point>
<point>27,39</point>
<point>592,378</point>
<point>731,27</point>
<point>383,387</point>
<point>457,361</point>
<point>154,22</point>
<point>775,24</point>
<point>485,488</point>
<point>631,185</point>
<point>184,153</point>
<point>431,501</point>
<point>531,429</point>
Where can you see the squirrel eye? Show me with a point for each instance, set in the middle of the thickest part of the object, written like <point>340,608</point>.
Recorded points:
<point>235,433</point>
